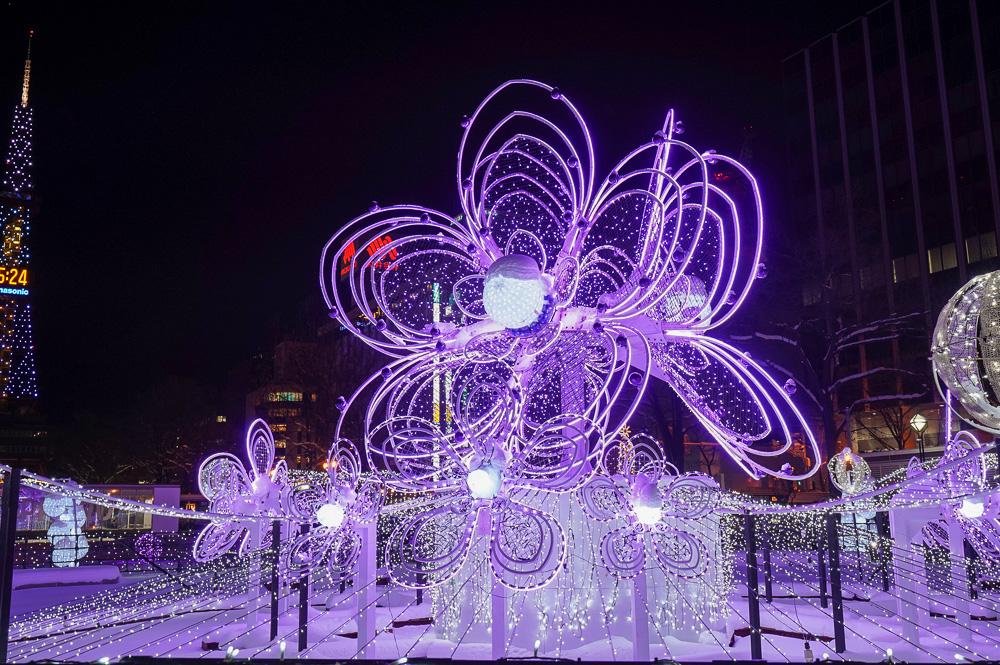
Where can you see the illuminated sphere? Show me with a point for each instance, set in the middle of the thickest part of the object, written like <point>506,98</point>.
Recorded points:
<point>514,292</point>
<point>965,350</point>
<point>972,508</point>
<point>484,482</point>
<point>330,515</point>
<point>850,473</point>
<point>647,503</point>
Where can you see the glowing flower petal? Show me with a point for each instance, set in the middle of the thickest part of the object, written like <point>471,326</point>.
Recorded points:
<point>528,547</point>
<point>623,551</point>
<point>429,548</point>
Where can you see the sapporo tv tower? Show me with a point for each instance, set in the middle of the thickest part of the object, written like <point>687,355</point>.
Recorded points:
<point>18,384</point>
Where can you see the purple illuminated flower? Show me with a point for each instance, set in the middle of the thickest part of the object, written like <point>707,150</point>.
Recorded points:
<point>230,490</point>
<point>570,288</point>
<point>548,305</point>
<point>661,509</point>
<point>482,485</point>
<point>332,509</point>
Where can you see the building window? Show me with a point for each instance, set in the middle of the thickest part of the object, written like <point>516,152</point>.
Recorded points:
<point>284,413</point>
<point>906,267</point>
<point>284,397</point>
<point>220,419</point>
<point>942,258</point>
<point>981,247</point>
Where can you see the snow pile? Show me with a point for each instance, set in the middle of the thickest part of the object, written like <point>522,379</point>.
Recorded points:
<point>42,577</point>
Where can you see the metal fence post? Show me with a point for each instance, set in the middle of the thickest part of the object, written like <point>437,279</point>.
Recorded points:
<point>8,530</point>
<point>640,618</point>
<point>753,591</point>
<point>884,551</point>
<point>768,589</point>
<point>821,555</point>
<point>836,591</point>
<point>303,602</point>
<point>275,584</point>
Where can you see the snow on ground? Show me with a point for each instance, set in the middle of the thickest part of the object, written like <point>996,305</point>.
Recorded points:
<point>71,576</point>
<point>146,620</point>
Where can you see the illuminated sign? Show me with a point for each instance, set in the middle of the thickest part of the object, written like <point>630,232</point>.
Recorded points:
<point>13,276</point>
<point>347,256</point>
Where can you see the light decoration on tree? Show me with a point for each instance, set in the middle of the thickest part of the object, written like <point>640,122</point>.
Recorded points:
<point>660,506</point>
<point>247,496</point>
<point>332,508</point>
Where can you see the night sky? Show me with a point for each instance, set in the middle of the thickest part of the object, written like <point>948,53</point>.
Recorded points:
<point>192,158</point>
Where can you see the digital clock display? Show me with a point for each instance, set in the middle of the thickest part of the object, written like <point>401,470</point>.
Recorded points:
<point>13,276</point>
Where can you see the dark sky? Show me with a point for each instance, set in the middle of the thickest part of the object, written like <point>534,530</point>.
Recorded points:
<point>192,158</point>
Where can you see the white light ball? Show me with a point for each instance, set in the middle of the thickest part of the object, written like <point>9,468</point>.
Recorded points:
<point>972,508</point>
<point>514,291</point>
<point>484,482</point>
<point>331,515</point>
<point>647,502</point>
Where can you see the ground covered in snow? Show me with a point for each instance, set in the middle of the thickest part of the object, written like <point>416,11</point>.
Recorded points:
<point>196,614</point>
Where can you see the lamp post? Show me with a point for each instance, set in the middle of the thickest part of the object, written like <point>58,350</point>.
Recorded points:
<point>919,423</point>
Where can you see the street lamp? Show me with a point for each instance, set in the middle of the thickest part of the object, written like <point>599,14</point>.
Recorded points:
<point>919,424</point>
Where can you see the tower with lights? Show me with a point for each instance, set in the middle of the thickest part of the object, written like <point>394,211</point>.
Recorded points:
<point>18,385</point>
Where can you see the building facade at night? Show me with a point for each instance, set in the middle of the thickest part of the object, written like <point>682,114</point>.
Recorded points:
<point>893,128</point>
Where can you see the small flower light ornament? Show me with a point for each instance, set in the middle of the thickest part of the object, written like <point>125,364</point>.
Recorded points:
<point>483,485</point>
<point>332,510</point>
<point>566,293</point>
<point>230,490</point>
<point>662,508</point>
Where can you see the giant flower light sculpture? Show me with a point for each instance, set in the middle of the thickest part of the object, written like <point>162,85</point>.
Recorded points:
<point>660,506</point>
<point>568,284</point>
<point>548,305</point>
<point>231,490</point>
<point>332,509</point>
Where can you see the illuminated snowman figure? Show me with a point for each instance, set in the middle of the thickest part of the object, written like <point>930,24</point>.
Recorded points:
<point>69,544</point>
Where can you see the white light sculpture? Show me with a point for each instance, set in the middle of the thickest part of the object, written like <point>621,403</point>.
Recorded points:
<point>965,350</point>
<point>69,544</point>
